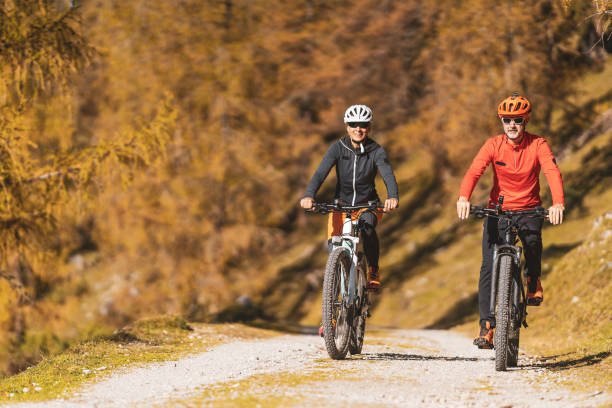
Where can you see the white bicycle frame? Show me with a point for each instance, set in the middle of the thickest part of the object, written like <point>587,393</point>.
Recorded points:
<point>349,242</point>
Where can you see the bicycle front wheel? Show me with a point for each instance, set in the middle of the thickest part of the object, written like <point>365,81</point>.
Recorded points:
<point>335,310</point>
<point>503,312</point>
<point>515,322</point>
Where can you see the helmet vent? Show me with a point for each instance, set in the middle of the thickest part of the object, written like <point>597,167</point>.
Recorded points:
<point>514,105</point>
<point>358,113</point>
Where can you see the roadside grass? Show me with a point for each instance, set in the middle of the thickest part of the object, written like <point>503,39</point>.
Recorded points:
<point>574,329</point>
<point>149,340</point>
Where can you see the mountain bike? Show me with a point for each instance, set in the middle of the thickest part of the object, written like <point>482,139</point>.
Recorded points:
<point>507,290</point>
<point>345,295</point>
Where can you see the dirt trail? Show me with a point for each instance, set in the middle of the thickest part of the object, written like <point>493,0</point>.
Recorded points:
<point>424,368</point>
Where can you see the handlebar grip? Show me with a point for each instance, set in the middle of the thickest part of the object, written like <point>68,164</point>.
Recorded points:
<point>477,211</point>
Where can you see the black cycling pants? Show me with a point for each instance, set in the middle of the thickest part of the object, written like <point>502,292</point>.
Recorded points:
<point>530,234</point>
<point>371,246</point>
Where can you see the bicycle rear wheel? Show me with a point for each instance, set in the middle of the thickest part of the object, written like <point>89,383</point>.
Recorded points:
<point>361,310</point>
<point>502,312</point>
<point>335,313</point>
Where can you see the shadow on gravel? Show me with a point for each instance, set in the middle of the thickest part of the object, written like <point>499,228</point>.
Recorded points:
<point>291,328</point>
<point>400,356</point>
<point>567,364</point>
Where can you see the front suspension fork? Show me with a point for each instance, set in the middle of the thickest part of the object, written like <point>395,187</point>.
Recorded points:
<point>516,253</point>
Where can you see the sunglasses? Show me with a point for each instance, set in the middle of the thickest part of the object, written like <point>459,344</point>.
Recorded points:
<point>518,121</point>
<point>363,125</point>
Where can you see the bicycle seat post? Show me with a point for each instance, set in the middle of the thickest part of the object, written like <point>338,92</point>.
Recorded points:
<point>347,227</point>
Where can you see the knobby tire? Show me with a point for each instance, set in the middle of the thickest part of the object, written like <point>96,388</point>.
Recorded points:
<point>515,324</point>
<point>503,312</point>
<point>336,324</point>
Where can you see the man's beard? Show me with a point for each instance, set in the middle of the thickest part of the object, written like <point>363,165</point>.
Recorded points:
<point>514,135</point>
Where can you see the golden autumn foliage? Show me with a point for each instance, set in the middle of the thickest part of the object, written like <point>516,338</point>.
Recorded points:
<point>41,183</point>
<point>153,152</point>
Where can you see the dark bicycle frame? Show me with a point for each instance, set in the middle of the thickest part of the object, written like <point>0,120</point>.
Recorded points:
<point>507,290</point>
<point>508,247</point>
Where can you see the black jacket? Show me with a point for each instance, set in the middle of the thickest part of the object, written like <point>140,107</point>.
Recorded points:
<point>355,172</point>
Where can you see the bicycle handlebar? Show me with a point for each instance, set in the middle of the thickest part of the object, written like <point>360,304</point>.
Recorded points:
<point>326,208</point>
<point>480,212</point>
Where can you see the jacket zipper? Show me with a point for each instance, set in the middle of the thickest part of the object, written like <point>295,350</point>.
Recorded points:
<point>515,163</point>
<point>354,173</point>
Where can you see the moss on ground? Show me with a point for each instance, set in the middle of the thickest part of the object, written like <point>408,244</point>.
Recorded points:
<point>148,340</point>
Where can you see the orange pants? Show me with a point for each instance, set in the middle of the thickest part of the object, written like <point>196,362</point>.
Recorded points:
<point>336,220</point>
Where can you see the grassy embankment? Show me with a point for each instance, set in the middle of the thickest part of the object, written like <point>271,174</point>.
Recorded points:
<point>149,340</point>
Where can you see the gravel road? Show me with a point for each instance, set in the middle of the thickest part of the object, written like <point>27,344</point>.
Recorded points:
<point>424,368</point>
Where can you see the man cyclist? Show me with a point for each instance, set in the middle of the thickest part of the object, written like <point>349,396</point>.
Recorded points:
<point>516,157</point>
<point>357,159</point>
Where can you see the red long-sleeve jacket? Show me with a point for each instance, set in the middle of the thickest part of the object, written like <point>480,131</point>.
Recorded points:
<point>516,171</point>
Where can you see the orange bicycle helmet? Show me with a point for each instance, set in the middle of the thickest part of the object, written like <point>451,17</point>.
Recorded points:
<point>514,105</point>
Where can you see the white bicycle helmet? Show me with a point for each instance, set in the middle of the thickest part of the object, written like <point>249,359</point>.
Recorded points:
<point>358,113</point>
